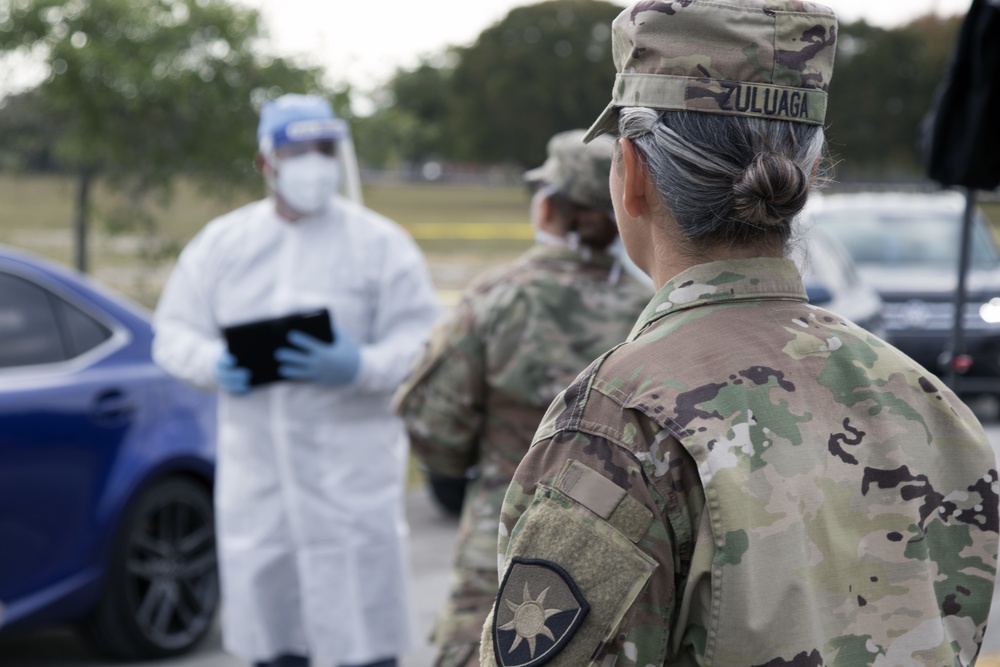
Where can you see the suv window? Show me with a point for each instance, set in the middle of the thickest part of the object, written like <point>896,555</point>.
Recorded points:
<point>887,237</point>
<point>29,330</point>
<point>38,327</point>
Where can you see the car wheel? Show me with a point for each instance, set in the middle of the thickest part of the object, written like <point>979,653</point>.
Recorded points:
<point>162,587</point>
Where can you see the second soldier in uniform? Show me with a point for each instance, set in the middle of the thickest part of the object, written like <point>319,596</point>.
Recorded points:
<point>518,337</point>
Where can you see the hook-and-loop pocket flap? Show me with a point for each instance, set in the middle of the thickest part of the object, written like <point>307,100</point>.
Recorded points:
<point>570,579</point>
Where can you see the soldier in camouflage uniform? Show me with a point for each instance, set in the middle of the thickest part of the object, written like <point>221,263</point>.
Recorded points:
<point>749,480</point>
<point>518,337</point>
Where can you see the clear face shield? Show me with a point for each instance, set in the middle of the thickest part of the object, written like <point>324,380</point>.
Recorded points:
<point>350,182</point>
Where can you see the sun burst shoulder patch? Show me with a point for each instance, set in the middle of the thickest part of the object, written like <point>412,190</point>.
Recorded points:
<point>538,610</point>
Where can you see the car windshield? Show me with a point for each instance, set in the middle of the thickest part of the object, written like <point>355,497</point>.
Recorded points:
<point>910,238</point>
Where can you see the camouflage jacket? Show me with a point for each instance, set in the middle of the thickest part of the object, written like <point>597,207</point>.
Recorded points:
<point>748,481</point>
<point>519,336</point>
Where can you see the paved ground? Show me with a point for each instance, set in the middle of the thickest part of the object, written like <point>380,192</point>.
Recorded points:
<point>432,537</point>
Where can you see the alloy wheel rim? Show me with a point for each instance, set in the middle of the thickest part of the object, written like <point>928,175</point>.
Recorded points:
<point>172,581</point>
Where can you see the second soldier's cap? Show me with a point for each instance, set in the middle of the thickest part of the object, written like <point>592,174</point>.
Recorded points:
<point>295,118</point>
<point>761,58</point>
<point>577,170</point>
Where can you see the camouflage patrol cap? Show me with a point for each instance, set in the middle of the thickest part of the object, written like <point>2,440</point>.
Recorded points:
<point>761,58</point>
<point>577,170</point>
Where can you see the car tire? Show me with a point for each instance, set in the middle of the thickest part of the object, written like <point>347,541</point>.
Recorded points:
<point>162,586</point>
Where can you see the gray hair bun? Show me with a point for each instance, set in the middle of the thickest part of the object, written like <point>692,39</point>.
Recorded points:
<point>772,190</point>
<point>726,179</point>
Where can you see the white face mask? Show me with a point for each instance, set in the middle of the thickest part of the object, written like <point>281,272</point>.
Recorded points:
<point>617,250</point>
<point>543,237</point>
<point>306,182</point>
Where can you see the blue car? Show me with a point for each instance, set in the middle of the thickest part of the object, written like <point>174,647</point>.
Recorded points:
<point>106,469</point>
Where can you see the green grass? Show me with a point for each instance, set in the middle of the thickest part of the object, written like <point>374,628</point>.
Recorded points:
<point>416,204</point>
<point>35,202</point>
<point>46,202</point>
<point>419,207</point>
<point>36,215</point>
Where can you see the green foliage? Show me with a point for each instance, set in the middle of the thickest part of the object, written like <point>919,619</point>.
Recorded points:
<point>28,134</point>
<point>143,91</point>
<point>883,85</point>
<point>547,67</point>
<point>410,124</point>
<point>146,90</point>
<point>544,68</point>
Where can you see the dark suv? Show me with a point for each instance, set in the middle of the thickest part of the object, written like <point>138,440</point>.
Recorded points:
<point>907,246</point>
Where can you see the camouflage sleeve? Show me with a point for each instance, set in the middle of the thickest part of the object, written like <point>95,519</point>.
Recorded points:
<point>587,559</point>
<point>442,402</point>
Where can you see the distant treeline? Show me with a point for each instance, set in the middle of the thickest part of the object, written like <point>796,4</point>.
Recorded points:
<point>547,67</point>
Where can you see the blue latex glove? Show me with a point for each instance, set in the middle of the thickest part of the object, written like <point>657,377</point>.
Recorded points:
<point>334,363</point>
<point>232,378</point>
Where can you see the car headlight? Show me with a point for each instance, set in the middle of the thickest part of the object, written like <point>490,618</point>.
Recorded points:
<point>990,311</point>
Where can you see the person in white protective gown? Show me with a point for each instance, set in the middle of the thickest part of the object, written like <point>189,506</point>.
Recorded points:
<point>311,468</point>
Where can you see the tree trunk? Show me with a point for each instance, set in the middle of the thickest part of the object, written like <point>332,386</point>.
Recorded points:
<point>81,217</point>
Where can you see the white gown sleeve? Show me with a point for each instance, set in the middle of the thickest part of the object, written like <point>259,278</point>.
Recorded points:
<point>404,316</point>
<point>187,343</point>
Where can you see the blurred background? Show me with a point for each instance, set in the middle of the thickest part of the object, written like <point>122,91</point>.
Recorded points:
<point>126,126</point>
<point>134,121</point>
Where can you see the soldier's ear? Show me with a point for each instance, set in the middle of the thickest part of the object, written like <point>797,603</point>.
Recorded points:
<point>635,179</point>
<point>815,170</point>
<point>547,213</point>
<point>551,219</point>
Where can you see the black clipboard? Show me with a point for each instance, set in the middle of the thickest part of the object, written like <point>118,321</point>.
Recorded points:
<point>253,343</point>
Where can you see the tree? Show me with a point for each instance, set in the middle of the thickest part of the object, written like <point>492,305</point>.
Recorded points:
<point>28,134</point>
<point>542,69</point>
<point>410,122</point>
<point>883,85</point>
<point>146,91</point>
